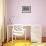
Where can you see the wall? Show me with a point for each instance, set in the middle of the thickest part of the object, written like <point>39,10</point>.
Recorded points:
<point>37,15</point>
<point>1,20</point>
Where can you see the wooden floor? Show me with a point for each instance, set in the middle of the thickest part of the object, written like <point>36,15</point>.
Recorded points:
<point>18,43</point>
<point>23,43</point>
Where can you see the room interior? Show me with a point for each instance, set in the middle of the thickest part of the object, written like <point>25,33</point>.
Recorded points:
<point>32,21</point>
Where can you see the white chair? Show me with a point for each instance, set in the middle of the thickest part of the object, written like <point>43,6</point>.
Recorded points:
<point>17,31</point>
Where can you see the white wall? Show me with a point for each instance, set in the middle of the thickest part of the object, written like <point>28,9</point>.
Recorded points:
<point>1,19</point>
<point>38,15</point>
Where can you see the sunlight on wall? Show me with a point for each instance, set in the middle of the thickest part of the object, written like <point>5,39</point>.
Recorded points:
<point>1,15</point>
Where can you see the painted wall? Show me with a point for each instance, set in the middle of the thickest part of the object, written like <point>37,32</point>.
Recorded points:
<point>1,20</point>
<point>37,15</point>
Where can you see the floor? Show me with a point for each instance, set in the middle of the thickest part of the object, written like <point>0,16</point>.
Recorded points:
<point>23,43</point>
<point>18,43</point>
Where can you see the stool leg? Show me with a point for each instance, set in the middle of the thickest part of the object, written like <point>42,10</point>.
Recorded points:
<point>7,34</point>
<point>25,38</point>
<point>15,38</point>
<point>12,36</point>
